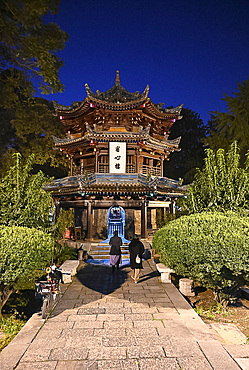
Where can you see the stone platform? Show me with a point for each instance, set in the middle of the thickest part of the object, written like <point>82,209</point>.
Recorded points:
<point>105,321</point>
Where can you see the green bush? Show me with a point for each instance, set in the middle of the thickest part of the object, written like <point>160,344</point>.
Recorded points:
<point>63,252</point>
<point>211,248</point>
<point>10,327</point>
<point>22,251</point>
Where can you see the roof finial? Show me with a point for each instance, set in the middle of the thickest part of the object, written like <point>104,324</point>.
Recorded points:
<point>117,81</point>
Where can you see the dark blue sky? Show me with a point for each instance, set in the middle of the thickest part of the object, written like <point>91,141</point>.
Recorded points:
<point>188,51</point>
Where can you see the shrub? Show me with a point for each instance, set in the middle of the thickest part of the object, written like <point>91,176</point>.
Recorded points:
<point>63,252</point>
<point>211,248</point>
<point>22,250</point>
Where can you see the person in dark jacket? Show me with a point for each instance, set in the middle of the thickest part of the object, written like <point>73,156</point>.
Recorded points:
<point>115,252</point>
<point>136,249</point>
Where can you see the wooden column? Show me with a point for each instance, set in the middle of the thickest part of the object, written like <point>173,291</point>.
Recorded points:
<point>96,161</point>
<point>137,161</point>
<point>71,165</point>
<point>172,207</point>
<point>161,161</point>
<point>57,209</point>
<point>89,220</point>
<point>144,233</point>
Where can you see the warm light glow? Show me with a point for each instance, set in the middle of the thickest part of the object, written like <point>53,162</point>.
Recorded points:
<point>69,132</point>
<point>80,153</point>
<point>94,149</point>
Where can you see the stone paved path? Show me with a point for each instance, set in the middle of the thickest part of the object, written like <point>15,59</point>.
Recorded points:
<point>106,321</point>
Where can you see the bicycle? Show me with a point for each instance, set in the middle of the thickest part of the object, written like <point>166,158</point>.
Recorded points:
<point>49,291</point>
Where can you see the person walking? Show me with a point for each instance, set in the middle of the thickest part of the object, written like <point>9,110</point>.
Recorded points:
<point>115,251</point>
<point>136,249</point>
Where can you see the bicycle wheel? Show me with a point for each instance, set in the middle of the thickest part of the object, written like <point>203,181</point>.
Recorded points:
<point>45,308</point>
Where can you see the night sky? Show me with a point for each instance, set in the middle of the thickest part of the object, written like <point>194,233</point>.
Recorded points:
<point>188,51</point>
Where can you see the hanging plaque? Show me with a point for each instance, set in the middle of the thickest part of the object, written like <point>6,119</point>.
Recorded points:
<point>117,157</point>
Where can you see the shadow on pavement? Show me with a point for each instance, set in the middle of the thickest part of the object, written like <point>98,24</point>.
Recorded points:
<point>101,279</point>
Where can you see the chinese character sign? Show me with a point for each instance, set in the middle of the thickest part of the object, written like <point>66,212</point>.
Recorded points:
<point>117,157</point>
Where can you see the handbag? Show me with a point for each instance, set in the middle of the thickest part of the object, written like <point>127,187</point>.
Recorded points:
<point>138,259</point>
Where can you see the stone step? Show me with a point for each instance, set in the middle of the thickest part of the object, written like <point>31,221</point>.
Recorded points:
<point>100,248</point>
<point>102,253</point>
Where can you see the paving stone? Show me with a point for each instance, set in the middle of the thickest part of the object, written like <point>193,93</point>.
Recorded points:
<point>237,350</point>
<point>194,363</point>
<point>124,364</point>
<point>118,310</point>
<point>36,353</point>
<point>107,353</point>
<point>114,332</point>
<point>159,364</point>
<point>45,365</point>
<point>77,365</point>
<point>151,310</point>
<point>68,353</point>
<point>76,332</point>
<point>114,317</point>
<point>243,363</point>
<point>58,325</point>
<point>88,342</point>
<point>87,318</point>
<point>145,351</point>
<point>148,324</point>
<point>119,341</point>
<point>118,324</point>
<point>88,324</point>
<point>91,310</point>
<point>142,331</point>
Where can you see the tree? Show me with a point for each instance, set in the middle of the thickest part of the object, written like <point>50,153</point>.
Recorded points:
<point>28,48</point>
<point>31,128</point>
<point>183,164</point>
<point>23,202</point>
<point>22,250</point>
<point>232,125</point>
<point>29,61</point>
<point>222,184</point>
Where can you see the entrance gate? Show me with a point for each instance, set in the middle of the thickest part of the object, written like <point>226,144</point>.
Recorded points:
<point>116,222</point>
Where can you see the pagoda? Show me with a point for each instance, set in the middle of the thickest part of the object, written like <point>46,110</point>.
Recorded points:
<point>117,142</point>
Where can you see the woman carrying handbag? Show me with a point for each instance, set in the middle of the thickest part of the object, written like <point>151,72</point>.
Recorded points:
<point>136,249</point>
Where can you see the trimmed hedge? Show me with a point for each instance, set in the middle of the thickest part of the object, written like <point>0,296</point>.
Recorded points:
<point>211,248</point>
<point>23,250</point>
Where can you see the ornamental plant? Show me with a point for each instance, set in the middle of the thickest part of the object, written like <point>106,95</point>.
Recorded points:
<point>22,251</point>
<point>23,202</point>
<point>221,185</point>
<point>210,248</point>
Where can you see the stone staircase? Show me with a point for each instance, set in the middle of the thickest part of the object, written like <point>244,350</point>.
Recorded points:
<point>100,252</point>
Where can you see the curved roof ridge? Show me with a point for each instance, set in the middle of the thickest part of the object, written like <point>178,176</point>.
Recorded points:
<point>117,93</point>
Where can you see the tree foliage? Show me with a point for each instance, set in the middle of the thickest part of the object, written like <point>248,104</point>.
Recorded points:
<point>29,62</point>
<point>22,251</point>
<point>23,202</point>
<point>29,131</point>
<point>183,164</point>
<point>211,248</point>
<point>28,48</point>
<point>222,184</point>
<point>232,125</point>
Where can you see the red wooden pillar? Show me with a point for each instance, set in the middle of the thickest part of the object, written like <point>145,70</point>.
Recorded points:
<point>144,217</point>
<point>89,220</point>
